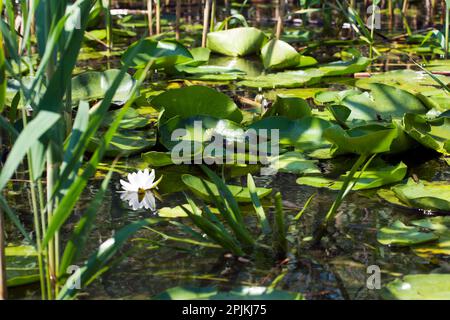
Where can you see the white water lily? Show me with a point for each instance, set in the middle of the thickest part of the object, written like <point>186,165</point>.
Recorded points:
<point>140,181</point>
<point>137,191</point>
<point>138,200</point>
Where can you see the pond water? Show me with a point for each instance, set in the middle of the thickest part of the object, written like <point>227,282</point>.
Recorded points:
<point>336,269</point>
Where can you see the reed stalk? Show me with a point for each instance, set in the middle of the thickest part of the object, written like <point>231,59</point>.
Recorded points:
<point>158,16</point>
<point>447,27</point>
<point>3,288</point>
<point>206,14</point>
<point>150,16</point>
<point>213,16</point>
<point>280,15</point>
<point>177,21</point>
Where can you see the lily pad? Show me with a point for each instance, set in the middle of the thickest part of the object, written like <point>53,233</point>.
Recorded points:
<point>366,139</point>
<point>419,287</point>
<point>399,234</point>
<point>241,194</point>
<point>305,134</point>
<point>196,100</point>
<point>126,142</point>
<point>165,54</point>
<point>424,195</point>
<point>434,134</point>
<point>369,179</point>
<point>277,54</point>
<point>287,79</point>
<point>290,107</point>
<point>340,68</point>
<point>236,42</point>
<point>93,85</point>
<point>238,293</point>
<point>384,102</point>
<point>21,265</point>
<point>294,162</point>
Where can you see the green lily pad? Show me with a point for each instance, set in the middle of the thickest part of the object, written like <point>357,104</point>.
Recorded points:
<point>438,65</point>
<point>126,142</point>
<point>238,293</point>
<point>399,234</point>
<point>294,162</point>
<point>93,85</point>
<point>305,134</point>
<point>277,54</point>
<point>384,102</point>
<point>424,195</point>
<point>21,265</point>
<point>419,287</point>
<point>369,179</point>
<point>335,97</point>
<point>131,120</point>
<point>287,79</point>
<point>434,134</point>
<point>366,139</point>
<point>165,54</point>
<point>340,68</point>
<point>175,212</point>
<point>241,194</point>
<point>289,107</point>
<point>199,130</point>
<point>196,100</point>
<point>236,42</point>
<point>200,56</point>
<point>157,159</point>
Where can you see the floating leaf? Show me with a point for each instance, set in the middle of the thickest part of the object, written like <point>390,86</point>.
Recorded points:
<point>238,293</point>
<point>277,54</point>
<point>287,79</point>
<point>93,85</point>
<point>400,234</point>
<point>236,42</point>
<point>424,195</point>
<point>369,179</point>
<point>165,54</point>
<point>294,162</point>
<point>419,287</point>
<point>126,142</point>
<point>340,68</point>
<point>196,100</point>
<point>241,194</point>
<point>290,107</point>
<point>434,134</point>
<point>21,265</point>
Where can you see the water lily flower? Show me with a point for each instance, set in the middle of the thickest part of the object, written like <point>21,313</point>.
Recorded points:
<point>140,181</point>
<point>138,201</point>
<point>137,191</point>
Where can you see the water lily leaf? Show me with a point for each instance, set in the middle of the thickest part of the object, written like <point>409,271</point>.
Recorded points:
<point>424,195</point>
<point>287,79</point>
<point>238,293</point>
<point>419,287</point>
<point>294,162</point>
<point>438,65</point>
<point>165,54</point>
<point>335,97</point>
<point>277,54</point>
<point>366,139</point>
<point>200,130</point>
<point>199,55</point>
<point>241,194</point>
<point>399,234</point>
<point>126,142</point>
<point>236,42</point>
<point>157,159</point>
<point>384,102</point>
<point>21,265</point>
<point>289,107</point>
<point>340,68</point>
<point>439,224</point>
<point>434,134</point>
<point>93,85</point>
<point>307,61</point>
<point>305,134</point>
<point>369,179</point>
<point>196,100</point>
<point>131,120</point>
<point>175,212</point>
<point>252,67</point>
